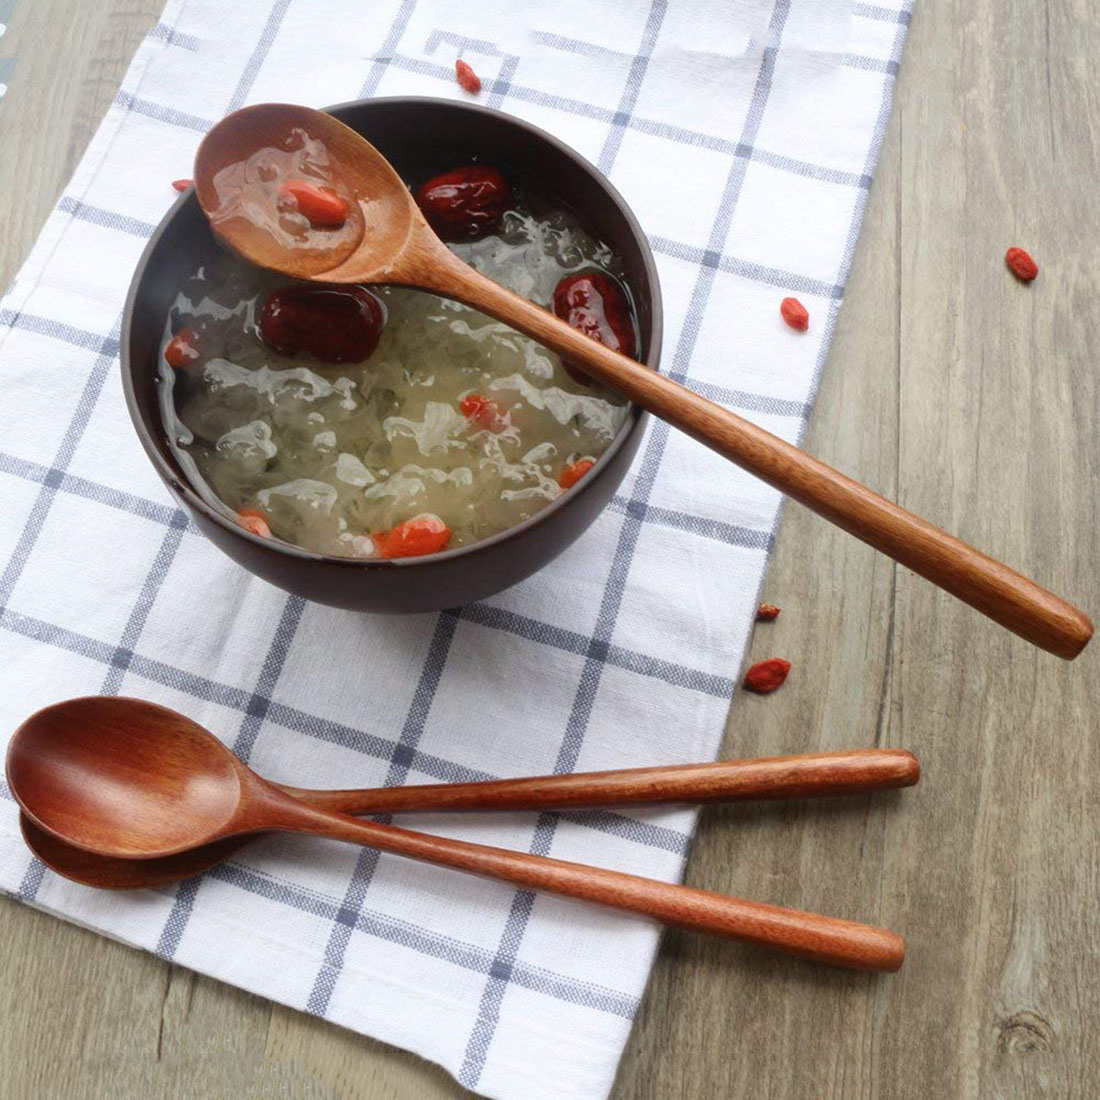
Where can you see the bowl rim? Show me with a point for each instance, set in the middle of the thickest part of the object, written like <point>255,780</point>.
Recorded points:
<point>634,422</point>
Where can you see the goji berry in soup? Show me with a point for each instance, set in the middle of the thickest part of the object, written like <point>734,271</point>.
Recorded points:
<point>182,350</point>
<point>423,534</point>
<point>465,203</point>
<point>572,473</point>
<point>595,304</point>
<point>483,412</point>
<point>334,324</point>
<point>320,205</point>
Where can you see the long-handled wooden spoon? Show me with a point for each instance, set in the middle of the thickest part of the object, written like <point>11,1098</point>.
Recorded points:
<point>130,780</point>
<point>804,776</point>
<point>397,246</point>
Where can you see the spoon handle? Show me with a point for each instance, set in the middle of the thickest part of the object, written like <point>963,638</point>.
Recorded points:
<point>995,590</point>
<point>805,776</point>
<point>826,939</point>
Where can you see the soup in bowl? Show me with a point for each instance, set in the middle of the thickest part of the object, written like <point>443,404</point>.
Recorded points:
<point>383,448</point>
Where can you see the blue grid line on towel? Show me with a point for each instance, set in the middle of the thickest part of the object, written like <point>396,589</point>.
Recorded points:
<point>490,616</point>
<point>172,37</point>
<point>93,387</point>
<point>436,767</point>
<point>481,1037</point>
<point>367,862</point>
<point>56,477</point>
<point>123,655</point>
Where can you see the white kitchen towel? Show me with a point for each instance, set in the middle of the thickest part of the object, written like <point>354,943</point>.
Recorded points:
<point>744,136</point>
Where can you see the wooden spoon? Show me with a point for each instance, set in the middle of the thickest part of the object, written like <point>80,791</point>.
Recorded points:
<point>131,780</point>
<point>804,776</point>
<point>397,246</point>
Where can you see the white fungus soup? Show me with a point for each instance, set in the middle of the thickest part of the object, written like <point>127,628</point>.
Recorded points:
<point>390,422</point>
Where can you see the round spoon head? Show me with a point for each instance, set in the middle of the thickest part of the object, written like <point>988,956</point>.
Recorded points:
<point>109,873</point>
<point>123,777</point>
<point>381,218</point>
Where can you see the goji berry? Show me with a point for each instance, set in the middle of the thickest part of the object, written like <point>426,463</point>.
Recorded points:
<point>321,205</point>
<point>572,473</point>
<point>1021,264</point>
<point>766,612</point>
<point>483,412</point>
<point>182,350</point>
<point>252,519</point>
<point>766,676</point>
<point>795,314</point>
<point>182,185</point>
<point>423,534</point>
<point>466,76</point>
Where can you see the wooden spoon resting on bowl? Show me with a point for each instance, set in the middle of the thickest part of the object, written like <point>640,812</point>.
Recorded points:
<point>129,780</point>
<point>395,245</point>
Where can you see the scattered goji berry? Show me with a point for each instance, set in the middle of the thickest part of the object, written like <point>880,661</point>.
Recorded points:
<point>574,472</point>
<point>252,519</point>
<point>423,534</point>
<point>1021,264</point>
<point>321,205</point>
<point>182,185</point>
<point>766,612</point>
<point>766,676</point>
<point>595,304</point>
<point>795,314</point>
<point>465,203</point>
<point>483,412</point>
<point>182,350</point>
<point>467,77</point>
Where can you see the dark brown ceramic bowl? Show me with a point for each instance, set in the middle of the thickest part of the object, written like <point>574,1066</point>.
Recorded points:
<point>420,137</point>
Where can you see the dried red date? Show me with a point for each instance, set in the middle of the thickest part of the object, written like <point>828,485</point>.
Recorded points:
<point>595,304</point>
<point>465,203</point>
<point>335,324</point>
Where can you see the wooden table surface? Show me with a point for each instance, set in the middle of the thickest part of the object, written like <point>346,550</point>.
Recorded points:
<point>950,387</point>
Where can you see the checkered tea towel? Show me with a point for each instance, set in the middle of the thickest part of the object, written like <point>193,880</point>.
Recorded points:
<point>744,135</point>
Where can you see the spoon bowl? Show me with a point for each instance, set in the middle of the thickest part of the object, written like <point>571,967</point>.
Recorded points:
<point>123,778</point>
<point>384,214</point>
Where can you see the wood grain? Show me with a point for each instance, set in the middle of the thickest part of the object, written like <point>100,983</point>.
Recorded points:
<point>810,775</point>
<point>823,939</point>
<point>1003,594</point>
<point>401,248</point>
<point>137,782</point>
<point>805,776</point>
<point>951,389</point>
